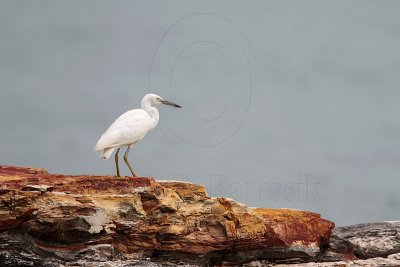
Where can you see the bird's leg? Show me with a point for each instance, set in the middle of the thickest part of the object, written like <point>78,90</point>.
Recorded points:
<point>116,162</point>
<point>127,162</point>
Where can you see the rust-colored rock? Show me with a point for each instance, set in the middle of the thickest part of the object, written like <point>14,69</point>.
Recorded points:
<point>72,216</point>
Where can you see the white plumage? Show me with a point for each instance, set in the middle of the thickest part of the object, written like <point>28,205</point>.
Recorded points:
<point>130,128</point>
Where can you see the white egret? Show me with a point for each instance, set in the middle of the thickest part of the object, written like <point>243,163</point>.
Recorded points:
<point>130,128</point>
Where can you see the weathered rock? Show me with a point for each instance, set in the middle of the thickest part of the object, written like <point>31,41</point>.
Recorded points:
<point>369,240</point>
<point>102,218</point>
<point>370,244</point>
<point>391,261</point>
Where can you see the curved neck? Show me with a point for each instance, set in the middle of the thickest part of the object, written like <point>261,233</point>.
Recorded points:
<point>146,106</point>
<point>152,111</point>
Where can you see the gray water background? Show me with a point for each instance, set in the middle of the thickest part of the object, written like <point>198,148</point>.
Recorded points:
<point>286,103</point>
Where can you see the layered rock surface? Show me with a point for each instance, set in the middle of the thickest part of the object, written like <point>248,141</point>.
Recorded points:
<point>64,218</point>
<point>369,244</point>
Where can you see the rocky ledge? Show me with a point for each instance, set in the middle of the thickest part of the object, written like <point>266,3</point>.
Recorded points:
<point>64,220</point>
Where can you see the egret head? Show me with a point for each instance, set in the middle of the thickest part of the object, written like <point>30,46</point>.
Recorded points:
<point>154,99</point>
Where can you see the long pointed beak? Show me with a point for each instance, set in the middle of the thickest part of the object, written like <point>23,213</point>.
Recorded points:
<point>166,102</point>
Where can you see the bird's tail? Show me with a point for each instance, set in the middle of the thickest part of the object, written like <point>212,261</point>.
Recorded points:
<point>107,153</point>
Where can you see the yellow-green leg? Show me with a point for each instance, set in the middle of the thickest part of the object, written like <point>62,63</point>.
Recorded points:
<point>127,162</point>
<point>116,162</point>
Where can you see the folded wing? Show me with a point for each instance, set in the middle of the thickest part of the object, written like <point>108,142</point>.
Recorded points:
<point>129,128</point>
